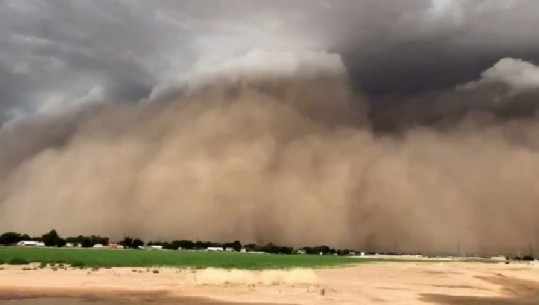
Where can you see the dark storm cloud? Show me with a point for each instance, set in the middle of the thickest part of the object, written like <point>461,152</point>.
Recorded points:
<point>508,90</point>
<point>62,49</point>
<point>426,45</point>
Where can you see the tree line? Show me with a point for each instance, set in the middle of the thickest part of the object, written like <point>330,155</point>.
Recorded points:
<point>53,239</point>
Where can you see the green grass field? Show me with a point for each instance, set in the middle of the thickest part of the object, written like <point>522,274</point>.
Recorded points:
<point>180,259</point>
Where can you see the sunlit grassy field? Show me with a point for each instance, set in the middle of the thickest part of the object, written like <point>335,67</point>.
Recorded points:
<point>180,259</point>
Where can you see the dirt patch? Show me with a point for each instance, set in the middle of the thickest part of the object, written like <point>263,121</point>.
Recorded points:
<point>103,297</point>
<point>266,277</point>
<point>459,286</point>
<point>515,292</point>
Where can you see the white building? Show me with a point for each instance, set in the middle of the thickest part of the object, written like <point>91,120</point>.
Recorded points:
<point>215,249</point>
<point>30,243</point>
<point>73,245</point>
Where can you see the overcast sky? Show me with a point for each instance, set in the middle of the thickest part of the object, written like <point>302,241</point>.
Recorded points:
<point>57,52</point>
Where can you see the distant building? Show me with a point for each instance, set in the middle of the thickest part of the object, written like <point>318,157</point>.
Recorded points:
<point>500,258</point>
<point>214,249</point>
<point>98,246</point>
<point>115,246</point>
<point>73,245</point>
<point>30,243</point>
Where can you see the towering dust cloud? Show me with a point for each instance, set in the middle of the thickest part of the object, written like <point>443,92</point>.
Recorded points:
<point>272,155</point>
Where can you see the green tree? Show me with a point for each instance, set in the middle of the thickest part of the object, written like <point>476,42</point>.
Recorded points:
<point>127,242</point>
<point>251,247</point>
<point>200,245</point>
<point>61,242</point>
<point>137,243</point>
<point>10,238</point>
<point>269,248</point>
<point>236,245</point>
<point>51,239</point>
<point>184,244</point>
<point>86,242</point>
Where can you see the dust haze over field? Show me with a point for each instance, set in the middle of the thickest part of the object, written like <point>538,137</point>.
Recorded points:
<point>286,142</point>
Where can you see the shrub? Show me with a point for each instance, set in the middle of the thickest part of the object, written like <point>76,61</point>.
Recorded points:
<point>18,261</point>
<point>155,271</point>
<point>77,264</point>
<point>42,265</point>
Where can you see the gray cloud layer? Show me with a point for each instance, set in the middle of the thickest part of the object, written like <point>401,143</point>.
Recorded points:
<point>54,51</point>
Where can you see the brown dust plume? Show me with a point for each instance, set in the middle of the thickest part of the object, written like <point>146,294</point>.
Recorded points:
<point>288,160</point>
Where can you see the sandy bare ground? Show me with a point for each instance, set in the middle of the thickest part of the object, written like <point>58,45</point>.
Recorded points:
<point>376,283</point>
